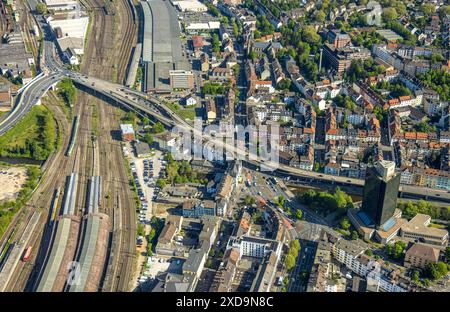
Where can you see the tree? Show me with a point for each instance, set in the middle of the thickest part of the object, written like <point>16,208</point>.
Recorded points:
<point>140,230</point>
<point>249,200</point>
<point>436,271</point>
<point>145,121</point>
<point>447,255</point>
<point>148,138</point>
<point>284,84</point>
<point>396,250</point>
<point>428,8</point>
<point>310,35</point>
<point>67,91</point>
<point>415,276</point>
<point>299,214</point>
<point>294,246</point>
<point>149,249</point>
<point>252,55</point>
<point>369,252</point>
<point>161,183</point>
<point>444,10</point>
<point>215,43</point>
<point>289,262</point>
<point>158,127</point>
<point>41,8</point>
<point>320,16</point>
<point>354,235</point>
<point>389,14</point>
<point>345,224</point>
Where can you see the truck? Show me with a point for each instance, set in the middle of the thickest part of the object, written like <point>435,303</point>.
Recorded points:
<point>27,254</point>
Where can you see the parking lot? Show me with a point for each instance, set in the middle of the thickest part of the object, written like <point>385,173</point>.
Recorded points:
<point>145,173</point>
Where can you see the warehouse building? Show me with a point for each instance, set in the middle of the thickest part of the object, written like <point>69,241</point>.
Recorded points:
<point>181,79</point>
<point>61,5</point>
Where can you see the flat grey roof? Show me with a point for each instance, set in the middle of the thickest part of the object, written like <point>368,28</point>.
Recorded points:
<point>161,43</point>
<point>161,32</point>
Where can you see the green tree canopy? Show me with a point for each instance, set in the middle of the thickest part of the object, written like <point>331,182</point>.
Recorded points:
<point>41,8</point>
<point>289,262</point>
<point>345,224</point>
<point>158,127</point>
<point>389,14</point>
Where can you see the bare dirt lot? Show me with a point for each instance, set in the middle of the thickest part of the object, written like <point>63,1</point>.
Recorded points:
<point>11,181</point>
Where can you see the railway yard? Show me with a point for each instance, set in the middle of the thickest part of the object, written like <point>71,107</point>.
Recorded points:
<point>90,217</point>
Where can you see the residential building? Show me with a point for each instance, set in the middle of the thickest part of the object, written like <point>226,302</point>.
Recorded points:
<point>419,255</point>
<point>340,58</point>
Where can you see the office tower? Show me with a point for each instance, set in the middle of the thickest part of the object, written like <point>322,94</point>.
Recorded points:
<point>380,192</point>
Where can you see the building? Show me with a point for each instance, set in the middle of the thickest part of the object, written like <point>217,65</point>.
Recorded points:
<point>142,149</point>
<point>265,274</point>
<point>418,230</point>
<point>341,58</point>
<point>190,101</point>
<point>61,5</point>
<point>337,38</point>
<point>255,247</point>
<point>419,255</point>
<point>383,234</point>
<point>380,193</point>
<point>72,29</point>
<point>127,132</point>
<point>204,62</point>
<point>211,110</point>
<point>5,94</point>
<point>197,209</point>
<point>181,79</point>
<point>190,6</point>
<point>15,61</point>
<point>71,56</point>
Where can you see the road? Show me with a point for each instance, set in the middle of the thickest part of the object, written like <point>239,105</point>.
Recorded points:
<point>298,277</point>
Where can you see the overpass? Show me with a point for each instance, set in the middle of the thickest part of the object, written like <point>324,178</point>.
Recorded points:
<point>145,104</point>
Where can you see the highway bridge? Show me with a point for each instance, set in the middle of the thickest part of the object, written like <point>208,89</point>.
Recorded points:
<point>152,106</point>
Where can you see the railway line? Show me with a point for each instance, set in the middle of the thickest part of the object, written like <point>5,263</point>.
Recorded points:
<point>53,174</point>
<point>110,159</point>
<point>130,35</point>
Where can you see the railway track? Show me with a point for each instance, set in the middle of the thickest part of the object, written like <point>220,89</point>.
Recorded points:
<point>130,31</point>
<point>104,56</point>
<point>54,174</point>
<point>108,57</point>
